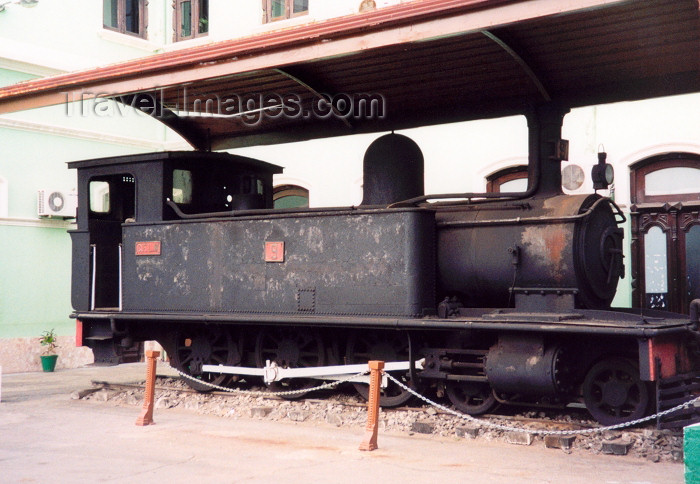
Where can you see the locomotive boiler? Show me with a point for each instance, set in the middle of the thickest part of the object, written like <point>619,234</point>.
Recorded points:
<point>505,298</point>
<point>495,254</point>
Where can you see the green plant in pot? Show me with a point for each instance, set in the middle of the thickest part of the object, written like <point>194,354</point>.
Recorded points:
<point>49,357</point>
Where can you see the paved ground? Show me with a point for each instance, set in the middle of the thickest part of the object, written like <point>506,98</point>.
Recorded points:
<point>45,436</point>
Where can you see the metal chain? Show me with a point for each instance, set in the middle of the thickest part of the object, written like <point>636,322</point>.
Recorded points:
<point>534,431</point>
<point>448,410</point>
<point>279,394</point>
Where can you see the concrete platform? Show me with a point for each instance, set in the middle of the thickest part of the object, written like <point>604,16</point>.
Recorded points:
<point>46,436</point>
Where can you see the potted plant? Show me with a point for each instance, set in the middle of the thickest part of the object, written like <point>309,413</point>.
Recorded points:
<point>49,357</point>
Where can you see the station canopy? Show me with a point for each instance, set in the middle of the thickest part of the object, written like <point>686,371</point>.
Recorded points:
<point>415,64</point>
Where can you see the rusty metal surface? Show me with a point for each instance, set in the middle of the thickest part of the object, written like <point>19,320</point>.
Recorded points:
<point>476,246</point>
<point>584,53</point>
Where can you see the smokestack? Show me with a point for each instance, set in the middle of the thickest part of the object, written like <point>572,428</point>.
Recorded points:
<point>393,170</point>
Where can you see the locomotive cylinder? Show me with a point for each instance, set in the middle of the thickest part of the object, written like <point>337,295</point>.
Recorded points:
<point>561,244</point>
<point>519,364</point>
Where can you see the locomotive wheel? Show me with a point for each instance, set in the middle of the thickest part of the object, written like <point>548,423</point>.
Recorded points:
<point>290,348</point>
<point>613,392</point>
<point>204,346</point>
<point>382,346</point>
<point>472,398</point>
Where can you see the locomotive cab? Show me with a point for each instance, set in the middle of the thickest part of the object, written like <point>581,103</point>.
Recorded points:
<point>142,189</point>
<point>204,187</point>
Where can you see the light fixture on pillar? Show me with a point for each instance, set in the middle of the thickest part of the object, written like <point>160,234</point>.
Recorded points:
<point>602,174</point>
<point>24,3</point>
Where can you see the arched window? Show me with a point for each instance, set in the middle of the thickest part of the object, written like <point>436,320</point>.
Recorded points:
<point>511,179</point>
<point>290,196</point>
<point>674,177</point>
<point>665,194</point>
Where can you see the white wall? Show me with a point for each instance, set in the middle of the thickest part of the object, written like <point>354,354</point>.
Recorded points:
<point>632,131</point>
<point>459,156</point>
<point>67,35</point>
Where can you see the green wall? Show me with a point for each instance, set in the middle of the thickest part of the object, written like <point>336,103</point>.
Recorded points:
<point>35,253</point>
<point>8,77</point>
<point>35,286</point>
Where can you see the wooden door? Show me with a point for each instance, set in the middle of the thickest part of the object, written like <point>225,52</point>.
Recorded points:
<point>666,231</point>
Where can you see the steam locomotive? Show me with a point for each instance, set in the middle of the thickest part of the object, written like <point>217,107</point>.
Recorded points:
<point>505,297</point>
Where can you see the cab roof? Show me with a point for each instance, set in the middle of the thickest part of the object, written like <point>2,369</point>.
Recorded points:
<point>186,156</point>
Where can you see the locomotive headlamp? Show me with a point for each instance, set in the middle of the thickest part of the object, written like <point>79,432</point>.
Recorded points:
<point>603,173</point>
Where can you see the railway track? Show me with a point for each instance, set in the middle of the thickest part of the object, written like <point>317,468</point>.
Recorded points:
<point>346,408</point>
<point>562,419</point>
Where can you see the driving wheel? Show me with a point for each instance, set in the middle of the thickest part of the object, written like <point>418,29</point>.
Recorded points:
<point>472,398</point>
<point>290,348</point>
<point>195,347</point>
<point>382,346</point>
<point>614,393</point>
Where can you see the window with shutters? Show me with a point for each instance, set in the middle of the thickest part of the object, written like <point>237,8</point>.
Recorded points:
<point>190,19</point>
<point>125,16</point>
<point>283,9</point>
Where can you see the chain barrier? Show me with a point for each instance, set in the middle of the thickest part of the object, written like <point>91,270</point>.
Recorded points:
<point>278,394</point>
<point>535,431</point>
<point>445,409</point>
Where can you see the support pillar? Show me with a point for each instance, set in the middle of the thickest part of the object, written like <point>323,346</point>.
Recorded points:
<point>375,375</point>
<point>146,417</point>
<point>546,148</point>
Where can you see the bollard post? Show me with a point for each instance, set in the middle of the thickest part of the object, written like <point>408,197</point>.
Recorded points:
<point>370,442</point>
<point>146,417</point>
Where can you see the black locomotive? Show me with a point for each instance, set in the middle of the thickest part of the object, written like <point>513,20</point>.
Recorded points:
<point>506,296</point>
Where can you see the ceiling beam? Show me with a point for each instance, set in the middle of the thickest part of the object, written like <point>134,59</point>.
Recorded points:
<point>316,94</point>
<point>197,138</point>
<point>522,63</point>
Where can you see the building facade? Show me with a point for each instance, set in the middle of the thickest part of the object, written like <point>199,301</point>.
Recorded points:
<point>654,146</point>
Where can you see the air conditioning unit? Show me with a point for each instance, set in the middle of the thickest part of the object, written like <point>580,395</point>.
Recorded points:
<point>57,203</point>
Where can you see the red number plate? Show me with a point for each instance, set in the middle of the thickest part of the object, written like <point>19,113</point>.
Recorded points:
<point>274,251</point>
<point>151,247</point>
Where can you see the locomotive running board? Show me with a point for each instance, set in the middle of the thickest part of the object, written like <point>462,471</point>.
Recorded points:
<point>272,372</point>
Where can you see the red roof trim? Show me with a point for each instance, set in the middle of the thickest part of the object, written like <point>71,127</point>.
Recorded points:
<point>419,10</point>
